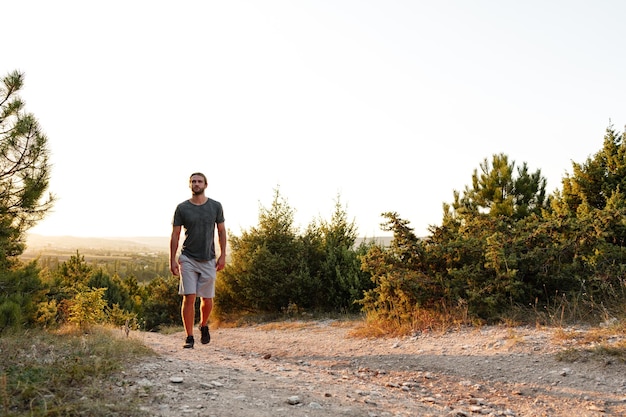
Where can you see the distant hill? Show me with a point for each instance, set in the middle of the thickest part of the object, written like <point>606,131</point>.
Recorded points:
<point>381,240</point>
<point>38,243</point>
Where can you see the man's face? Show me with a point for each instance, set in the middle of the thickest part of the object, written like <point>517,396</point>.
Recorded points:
<point>197,185</point>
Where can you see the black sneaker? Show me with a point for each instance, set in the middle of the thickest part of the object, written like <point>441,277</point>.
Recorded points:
<point>206,336</point>
<point>189,343</point>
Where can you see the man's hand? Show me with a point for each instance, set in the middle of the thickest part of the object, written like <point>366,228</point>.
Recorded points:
<point>174,268</point>
<point>221,262</point>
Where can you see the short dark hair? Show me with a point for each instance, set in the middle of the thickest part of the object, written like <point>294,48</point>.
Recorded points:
<point>199,174</point>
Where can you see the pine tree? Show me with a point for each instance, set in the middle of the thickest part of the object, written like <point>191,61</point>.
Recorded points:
<point>268,269</point>
<point>594,181</point>
<point>24,170</point>
<point>496,190</point>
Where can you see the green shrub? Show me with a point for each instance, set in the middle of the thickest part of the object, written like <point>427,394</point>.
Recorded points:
<point>87,308</point>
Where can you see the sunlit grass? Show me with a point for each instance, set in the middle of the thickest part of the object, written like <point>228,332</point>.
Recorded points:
<point>291,324</point>
<point>66,372</point>
<point>285,320</point>
<point>421,320</point>
<point>173,329</point>
<point>604,343</point>
<point>513,338</point>
<point>287,325</point>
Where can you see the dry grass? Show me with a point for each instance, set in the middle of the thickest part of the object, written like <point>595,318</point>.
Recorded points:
<point>286,325</point>
<point>171,329</point>
<point>275,321</point>
<point>422,320</point>
<point>605,343</point>
<point>371,328</point>
<point>513,338</point>
<point>66,372</point>
<point>347,323</point>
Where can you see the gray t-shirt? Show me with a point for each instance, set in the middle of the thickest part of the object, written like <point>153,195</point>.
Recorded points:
<point>199,224</point>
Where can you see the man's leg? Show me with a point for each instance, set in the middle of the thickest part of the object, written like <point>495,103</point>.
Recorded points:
<point>187,312</point>
<point>206,306</point>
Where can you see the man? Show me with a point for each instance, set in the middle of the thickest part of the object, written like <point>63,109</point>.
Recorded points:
<point>196,265</point>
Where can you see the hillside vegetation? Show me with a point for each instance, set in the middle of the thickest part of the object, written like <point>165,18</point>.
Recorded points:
<point>504,247</point>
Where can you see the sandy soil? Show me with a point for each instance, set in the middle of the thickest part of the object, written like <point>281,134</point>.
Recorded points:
<point>319,369</point>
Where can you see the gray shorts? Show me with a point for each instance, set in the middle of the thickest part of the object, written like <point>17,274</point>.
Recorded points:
<point>197,277</point>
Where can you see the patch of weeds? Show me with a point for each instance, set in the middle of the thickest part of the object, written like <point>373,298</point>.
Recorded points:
<point>605,344</point>
<point>601,353</point>
<point>513,338</point>
<point>420,321</point>
<point>376,327</point>
<point>346,323</point>
<point>564,335</point>
<point>65,373</point>
<point>572,355</point>
<point>370,329</point>
<point>167,330</point>
<point>616,351</point>
<point>277,320</point>
<point>243,319</point>
<point>286,325</point>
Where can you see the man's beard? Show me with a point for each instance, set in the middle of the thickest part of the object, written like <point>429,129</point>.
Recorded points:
<point>199,191</point>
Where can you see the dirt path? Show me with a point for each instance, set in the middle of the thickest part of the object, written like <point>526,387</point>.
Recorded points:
<point>317,369</point>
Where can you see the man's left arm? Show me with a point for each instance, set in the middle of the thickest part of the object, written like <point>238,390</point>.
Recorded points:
<point>221,234</point>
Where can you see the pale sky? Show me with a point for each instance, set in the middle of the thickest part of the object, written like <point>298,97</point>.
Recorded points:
<point>389,104</point>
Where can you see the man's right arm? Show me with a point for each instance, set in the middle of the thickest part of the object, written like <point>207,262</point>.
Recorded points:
<point>174,239</point>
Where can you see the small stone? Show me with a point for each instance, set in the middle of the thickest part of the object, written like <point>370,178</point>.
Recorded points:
<point>293,400</point>
<point>144,382</point>
<point>596,408</point>
<point>457,413</point>
<point>176,379</point>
